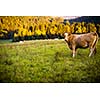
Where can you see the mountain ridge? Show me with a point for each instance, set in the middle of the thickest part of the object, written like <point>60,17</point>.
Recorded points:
<point>92,19</point>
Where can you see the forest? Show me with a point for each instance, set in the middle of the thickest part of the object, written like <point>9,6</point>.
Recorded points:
<point>20,28</point>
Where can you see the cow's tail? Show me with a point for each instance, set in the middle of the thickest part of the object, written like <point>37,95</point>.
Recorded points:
<point>95,39</point>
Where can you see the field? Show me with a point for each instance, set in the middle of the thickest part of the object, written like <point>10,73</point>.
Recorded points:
<point>47,61</point>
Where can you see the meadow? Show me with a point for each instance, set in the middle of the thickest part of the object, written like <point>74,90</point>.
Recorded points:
<point>47,61</point>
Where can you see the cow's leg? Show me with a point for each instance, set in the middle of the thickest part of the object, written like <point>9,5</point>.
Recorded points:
<point>93,47</point>
<point>91,52</point>
<point>74,52</point>
<point>95,50</point>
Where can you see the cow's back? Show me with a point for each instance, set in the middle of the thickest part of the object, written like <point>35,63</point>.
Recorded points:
<point>85,40</point>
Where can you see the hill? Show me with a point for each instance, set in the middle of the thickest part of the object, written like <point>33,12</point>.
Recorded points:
<point>87,19</point>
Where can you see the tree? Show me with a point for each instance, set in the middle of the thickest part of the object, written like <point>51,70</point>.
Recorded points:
<point>98,29</point>
<point>78,28</point>
<point>73,27</point>
<point>91,27</point>
<point>67,29</point>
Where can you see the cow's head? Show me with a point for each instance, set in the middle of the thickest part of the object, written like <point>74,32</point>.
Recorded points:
<point>66,36</point>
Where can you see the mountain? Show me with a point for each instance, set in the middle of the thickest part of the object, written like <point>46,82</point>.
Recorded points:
<point>92,19</point>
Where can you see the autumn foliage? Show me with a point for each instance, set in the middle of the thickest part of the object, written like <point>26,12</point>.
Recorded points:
<point>21,28</point>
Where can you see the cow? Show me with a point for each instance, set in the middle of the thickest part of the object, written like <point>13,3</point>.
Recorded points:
<point>87,40</point>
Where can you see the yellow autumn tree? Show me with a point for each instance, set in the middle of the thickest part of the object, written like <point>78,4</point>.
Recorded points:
<point>73,27</point>
<point>67,28</point>
<point>78,28</point>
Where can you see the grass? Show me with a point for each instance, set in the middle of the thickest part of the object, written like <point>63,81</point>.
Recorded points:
<point>47,61</point>
<point>5,41</point>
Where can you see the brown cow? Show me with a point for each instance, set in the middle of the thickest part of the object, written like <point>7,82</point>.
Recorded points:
<point>88,40</point>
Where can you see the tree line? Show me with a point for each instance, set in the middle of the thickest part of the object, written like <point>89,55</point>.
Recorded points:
<point>19,28</point>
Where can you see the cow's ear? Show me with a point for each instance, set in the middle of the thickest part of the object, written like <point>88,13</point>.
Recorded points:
<point>69,33</point>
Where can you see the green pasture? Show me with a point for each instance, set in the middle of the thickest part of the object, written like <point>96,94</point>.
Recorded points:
<point>47,61</point>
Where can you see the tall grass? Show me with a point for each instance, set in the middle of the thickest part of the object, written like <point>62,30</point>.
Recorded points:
<point>47,61</point>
